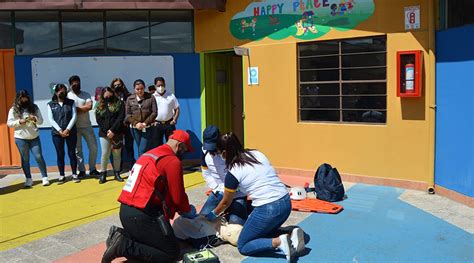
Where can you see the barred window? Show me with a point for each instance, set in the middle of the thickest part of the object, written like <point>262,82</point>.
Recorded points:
<point>343,81</point>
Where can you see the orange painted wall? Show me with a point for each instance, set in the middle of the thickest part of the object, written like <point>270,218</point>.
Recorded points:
<point>8,152</point>
<point>401,149</point>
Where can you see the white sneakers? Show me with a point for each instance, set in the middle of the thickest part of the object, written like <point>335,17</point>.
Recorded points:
<point>297,239</point>
<point>45,181</point>
<point>28,182</point>
<point>287,248</point>
<point>75,178</point>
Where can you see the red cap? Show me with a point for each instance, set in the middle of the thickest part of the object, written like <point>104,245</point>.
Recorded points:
<point>182,136</point>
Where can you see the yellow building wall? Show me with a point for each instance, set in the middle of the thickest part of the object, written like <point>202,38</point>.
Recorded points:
<point>400,149</point>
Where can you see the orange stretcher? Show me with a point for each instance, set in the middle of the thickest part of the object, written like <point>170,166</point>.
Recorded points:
<point>315,205</point>
<point>310,205</point>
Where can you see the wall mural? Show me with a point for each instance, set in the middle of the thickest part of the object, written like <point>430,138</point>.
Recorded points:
<point>303,19</point>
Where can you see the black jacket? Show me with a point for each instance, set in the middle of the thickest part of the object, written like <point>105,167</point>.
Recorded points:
<point>62,115</point>
<point>108,120</point>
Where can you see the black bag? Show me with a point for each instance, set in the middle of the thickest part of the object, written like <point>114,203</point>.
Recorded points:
<point>328,184</point>
<point>164,223</point>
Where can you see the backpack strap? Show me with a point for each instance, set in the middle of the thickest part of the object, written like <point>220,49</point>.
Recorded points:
<point>163,179</point>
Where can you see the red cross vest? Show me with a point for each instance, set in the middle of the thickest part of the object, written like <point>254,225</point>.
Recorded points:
<point>142,180</point>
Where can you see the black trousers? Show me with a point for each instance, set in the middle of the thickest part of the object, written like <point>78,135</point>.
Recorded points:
<point>160,131</point>
<point>144,238</point>
<point>70,142</point>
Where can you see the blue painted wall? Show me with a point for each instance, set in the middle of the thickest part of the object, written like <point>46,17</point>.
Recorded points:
<point>454,168</point>
<point>187,82</point>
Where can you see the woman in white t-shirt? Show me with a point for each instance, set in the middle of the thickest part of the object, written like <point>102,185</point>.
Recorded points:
<point>250,172</point>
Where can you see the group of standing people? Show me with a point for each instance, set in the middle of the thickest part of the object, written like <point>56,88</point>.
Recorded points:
<point>122,119</point>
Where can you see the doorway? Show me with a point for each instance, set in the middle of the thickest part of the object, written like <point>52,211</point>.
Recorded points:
<point>223,89</point>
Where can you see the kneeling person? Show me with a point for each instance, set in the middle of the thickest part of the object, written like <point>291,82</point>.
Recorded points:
<point>214,171</point>
<point>154,192</point>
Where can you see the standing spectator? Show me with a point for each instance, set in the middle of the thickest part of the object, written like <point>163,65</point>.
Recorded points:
<point>62,116</point>
<point>151,89</point>
<point>140,112</point>
<point>168,112</point>
<point>24,116</point>
<point>83,104</point>
<point>128,155</point>
<point>110,114</point>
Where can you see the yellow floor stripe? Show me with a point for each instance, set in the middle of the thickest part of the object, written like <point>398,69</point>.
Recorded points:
<point>31,214</point>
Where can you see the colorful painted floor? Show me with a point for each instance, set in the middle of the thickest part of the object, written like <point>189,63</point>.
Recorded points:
<point>69,223</point>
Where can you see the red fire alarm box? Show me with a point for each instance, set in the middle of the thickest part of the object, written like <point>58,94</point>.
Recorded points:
<point>409,68</point>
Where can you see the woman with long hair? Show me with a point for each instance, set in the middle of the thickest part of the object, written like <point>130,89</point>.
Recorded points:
<point>24,116</point>
<point>128,156</point>
<point>250,172</point>
<point>110,113</point>
<point>62,116</point>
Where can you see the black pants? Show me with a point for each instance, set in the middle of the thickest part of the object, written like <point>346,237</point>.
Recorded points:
<point>144,238</point>
<point>70,142</point>
<point>160,131</point>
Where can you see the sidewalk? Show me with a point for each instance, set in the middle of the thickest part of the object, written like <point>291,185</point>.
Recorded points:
<point>378,224</point>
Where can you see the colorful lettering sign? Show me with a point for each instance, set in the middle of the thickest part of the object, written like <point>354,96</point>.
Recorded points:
<point>303,19</point>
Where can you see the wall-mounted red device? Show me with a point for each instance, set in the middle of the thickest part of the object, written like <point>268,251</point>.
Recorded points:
<point>409,73</point>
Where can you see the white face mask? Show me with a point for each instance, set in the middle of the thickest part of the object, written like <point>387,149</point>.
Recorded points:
<point>160,89</point>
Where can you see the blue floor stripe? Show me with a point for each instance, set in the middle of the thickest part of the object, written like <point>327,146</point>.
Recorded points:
<point>376,226</point>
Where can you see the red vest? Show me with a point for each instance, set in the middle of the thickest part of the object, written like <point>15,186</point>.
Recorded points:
<point>142,180</point>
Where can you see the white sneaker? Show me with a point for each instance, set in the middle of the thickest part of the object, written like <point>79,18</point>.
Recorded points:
<point>297,239</point>
<point>45,181</point>
<point>29,182</point>
<point>61,179</point>
<point>75,178</point>
<point>286,247</point>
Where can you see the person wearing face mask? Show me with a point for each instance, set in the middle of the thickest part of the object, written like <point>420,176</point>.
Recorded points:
<point>153,193</point>
<point>168,112</point>
<point>24,116</point>
<point>110,114</point>
<point>62,116</point>
<point>83,103</point>
<point>128,153</point>
<point>140,113</point>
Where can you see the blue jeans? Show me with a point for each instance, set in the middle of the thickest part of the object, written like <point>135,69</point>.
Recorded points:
<point>24,147</point>
<point>262,226</point>
<point>237,210</point>
<point>70,141</point>
<point>142,139</point>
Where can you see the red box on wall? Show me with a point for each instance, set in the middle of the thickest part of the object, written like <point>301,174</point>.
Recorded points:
<point>409,73</point>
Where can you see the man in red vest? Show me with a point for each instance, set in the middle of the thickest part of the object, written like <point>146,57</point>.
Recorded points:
<point>153,193</point>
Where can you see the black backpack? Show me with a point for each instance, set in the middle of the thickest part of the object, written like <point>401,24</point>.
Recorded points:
<point>328,184</point>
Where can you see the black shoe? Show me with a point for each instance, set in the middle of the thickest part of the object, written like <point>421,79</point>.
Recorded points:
<point>113,250</point>
<point>102,178</point>
<point>112,231</point>
<point>81,174</point>
<point>117,177</point>
<point>94,173</point>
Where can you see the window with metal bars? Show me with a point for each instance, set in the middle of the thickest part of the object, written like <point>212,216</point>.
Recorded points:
<point>343,81</point>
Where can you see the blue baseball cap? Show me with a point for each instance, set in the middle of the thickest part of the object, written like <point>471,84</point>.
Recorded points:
<point>209,137</point>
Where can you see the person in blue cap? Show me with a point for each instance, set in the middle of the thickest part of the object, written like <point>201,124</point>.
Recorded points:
<point>214,171</point>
